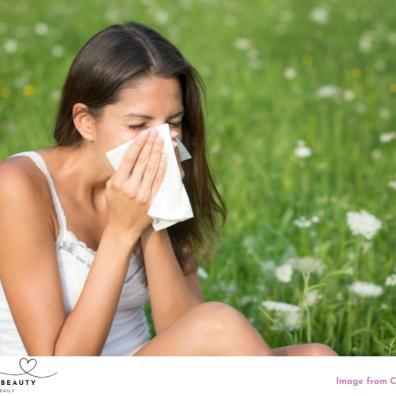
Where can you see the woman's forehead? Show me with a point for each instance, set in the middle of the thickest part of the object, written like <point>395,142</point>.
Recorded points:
<point>150,97</point>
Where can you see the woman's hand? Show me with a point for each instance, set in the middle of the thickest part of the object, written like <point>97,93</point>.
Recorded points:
<point>130,191</point>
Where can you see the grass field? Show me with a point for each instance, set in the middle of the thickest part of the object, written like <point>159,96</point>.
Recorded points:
<point>300,114</point>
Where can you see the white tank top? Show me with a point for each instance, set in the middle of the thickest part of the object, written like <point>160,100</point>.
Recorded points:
<point>129,330</point>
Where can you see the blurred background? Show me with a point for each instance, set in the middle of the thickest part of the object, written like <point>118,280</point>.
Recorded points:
<point>301,141</point>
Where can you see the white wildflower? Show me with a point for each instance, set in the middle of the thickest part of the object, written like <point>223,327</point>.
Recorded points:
<point>363,223</point>
<point>112,15</point>
<point>327,91</point>
<point>284,273</point>
<point>290,73</point>
<point>11,46</point>
<point>390,280</point>
<point>57,51</point>
<point>365,289</point>
<point>392,184</point>
<point>287,315</point>
<point>41,28</point>
<point>280,306</point>
<point>349,95</point>
<point>311,298</point>
<point>387,137</point>
<point>366,42</point>
<point>319,15</point>
<point>202,272</point>
<point>315,219</point>
<point>302,222</point>
<point>306,265</point>
<point>161,16</point>
<point>242,43</point>
<point>302,152</point>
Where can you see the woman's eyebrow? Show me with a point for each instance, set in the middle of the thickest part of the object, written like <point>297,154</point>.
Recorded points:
<point>150,117</point>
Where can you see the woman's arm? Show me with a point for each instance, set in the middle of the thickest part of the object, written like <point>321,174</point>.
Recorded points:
<point>30,278</point>
<point>170,294</point>
<point>86,328</point>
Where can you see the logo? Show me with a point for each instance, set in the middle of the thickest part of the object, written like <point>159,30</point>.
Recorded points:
<point>27,367</point>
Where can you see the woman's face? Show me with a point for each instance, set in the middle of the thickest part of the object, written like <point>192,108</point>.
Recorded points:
<point>154,101</point>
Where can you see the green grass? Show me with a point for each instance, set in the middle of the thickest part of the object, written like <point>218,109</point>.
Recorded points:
<point>255,116</point>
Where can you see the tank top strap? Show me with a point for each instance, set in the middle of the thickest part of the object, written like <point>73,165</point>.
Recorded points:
<point>40,163</point>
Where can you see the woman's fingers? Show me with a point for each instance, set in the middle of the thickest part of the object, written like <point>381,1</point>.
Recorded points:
<point>130,157</point>
<point>135,179</point>
<point>159,177</point>
<point>151,169</point>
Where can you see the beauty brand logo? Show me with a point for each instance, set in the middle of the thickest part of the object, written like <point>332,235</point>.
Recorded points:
<point>26,366</point>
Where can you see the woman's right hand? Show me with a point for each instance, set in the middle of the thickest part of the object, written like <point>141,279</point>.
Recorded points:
<point>132,188</point>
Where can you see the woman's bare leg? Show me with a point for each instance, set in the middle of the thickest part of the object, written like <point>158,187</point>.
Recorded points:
<point>211,329</point>
<point>314,349</point>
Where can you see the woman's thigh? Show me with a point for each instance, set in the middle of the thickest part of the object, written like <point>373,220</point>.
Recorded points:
<point>211,328</point>
<point>314,349</point>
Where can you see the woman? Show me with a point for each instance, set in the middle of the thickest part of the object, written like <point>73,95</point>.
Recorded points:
<point>78,255</point>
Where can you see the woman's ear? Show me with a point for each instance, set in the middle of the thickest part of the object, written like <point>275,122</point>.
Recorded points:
<point>84,122</point>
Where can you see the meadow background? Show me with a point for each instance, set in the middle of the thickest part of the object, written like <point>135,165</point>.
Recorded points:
<point>300,120</point>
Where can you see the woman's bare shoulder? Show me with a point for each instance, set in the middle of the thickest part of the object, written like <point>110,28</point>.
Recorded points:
<point>20,179</point>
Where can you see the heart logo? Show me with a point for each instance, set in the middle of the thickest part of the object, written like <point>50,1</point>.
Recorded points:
<point>27,365</point>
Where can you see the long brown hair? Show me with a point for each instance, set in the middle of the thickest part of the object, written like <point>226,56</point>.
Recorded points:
<point>116,58</point>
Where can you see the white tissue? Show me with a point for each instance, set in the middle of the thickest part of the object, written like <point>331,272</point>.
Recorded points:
<point>171,203</point>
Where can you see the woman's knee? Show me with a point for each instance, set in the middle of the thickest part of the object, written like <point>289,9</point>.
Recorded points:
<point>318,349</point>
<point>217,318</point>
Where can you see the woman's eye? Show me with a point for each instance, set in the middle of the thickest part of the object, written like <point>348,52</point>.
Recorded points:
<point>136,126</point>
<point>172,124</point>
<point>176,124</point>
